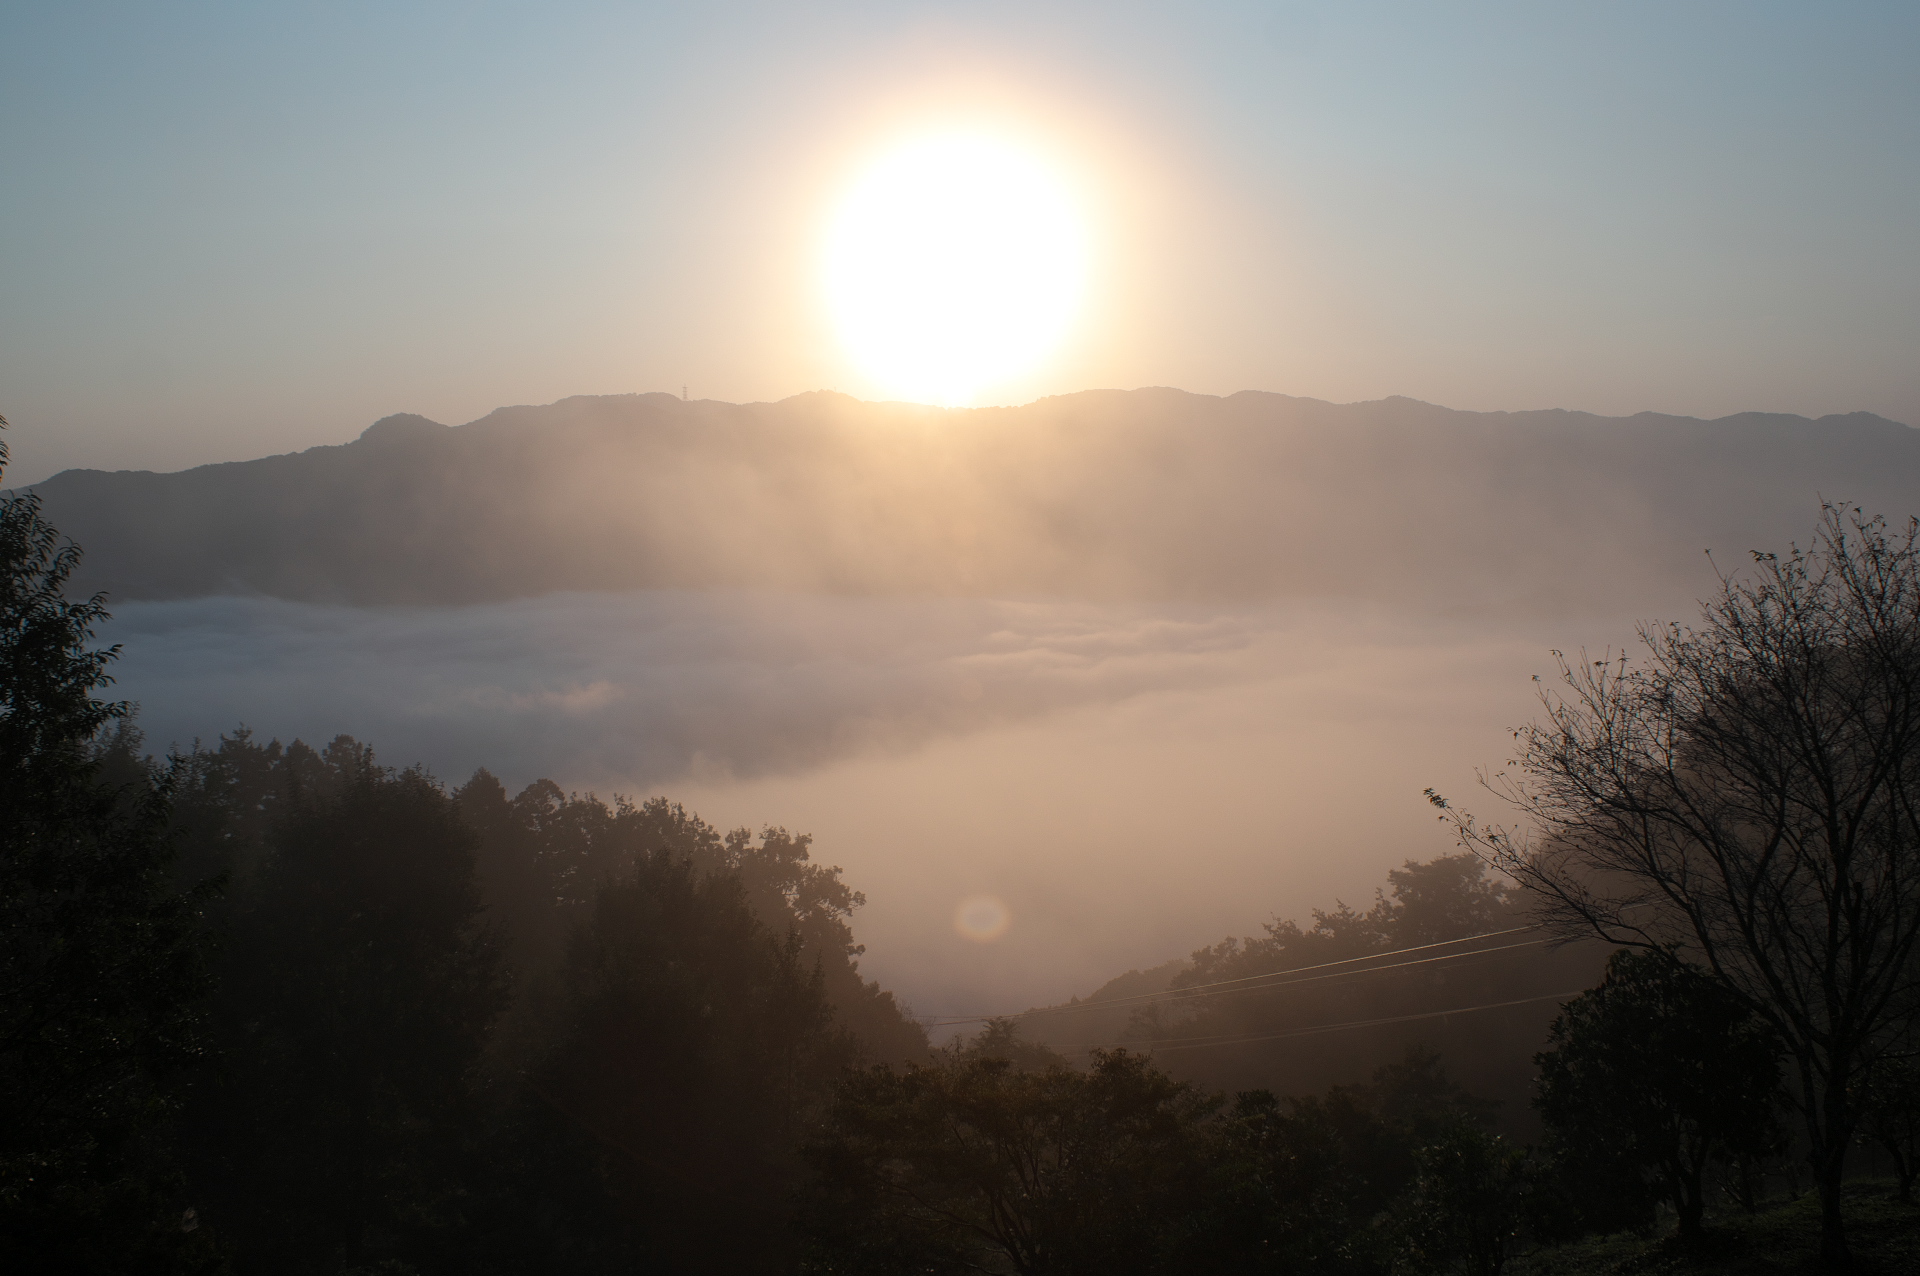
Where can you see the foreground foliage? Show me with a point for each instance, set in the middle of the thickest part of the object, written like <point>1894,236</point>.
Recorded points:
<point>1650,1079</point>
<point>1782,1240</point>
<point>1054,1170</point>
<point>996,1158</point>
<point>358,985</point>
<point>100,953</point>
<point>462,1032</point>
<point>1748,791</point>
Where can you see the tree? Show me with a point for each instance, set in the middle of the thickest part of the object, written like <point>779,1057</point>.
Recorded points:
<point>1448,897</point>
<point>1243,988</point>
<point>544,853</point>
<point>973,1165</point>
<point>1285,1190</point>
<point>1748,793</point>
<point>1467,1201</point>
<point>101,961</point>
<point>688,1047</point>
<point>1890,1115</point>
<point>358,987</point>
<point>1659,1071</point>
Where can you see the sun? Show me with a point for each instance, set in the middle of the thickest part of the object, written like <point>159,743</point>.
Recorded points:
<point>955,262</point>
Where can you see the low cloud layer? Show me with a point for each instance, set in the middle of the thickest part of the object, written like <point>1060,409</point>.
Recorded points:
<point>647,689</point>
<point>1132,781</point>
<point>1253,628</point>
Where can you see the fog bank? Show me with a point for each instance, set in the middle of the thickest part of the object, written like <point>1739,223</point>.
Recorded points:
<point>1133,781</point>
<point>1148,667</point>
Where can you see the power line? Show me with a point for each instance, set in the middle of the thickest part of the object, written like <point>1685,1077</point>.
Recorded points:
<point>1290,970</point>
<point>1201,1043</point>
<point>945,1021</point>
<point>1348,961</point>
<point>1186,994</point>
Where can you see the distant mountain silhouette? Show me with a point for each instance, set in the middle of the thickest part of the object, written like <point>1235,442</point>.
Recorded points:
<point>1150,494</point>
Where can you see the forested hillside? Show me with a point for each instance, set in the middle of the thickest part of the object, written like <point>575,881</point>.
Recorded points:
<point>457,1023</point>
<point>1446,958</point>
<point>422,1029</point>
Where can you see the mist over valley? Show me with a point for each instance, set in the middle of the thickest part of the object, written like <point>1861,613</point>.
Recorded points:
<point>1151,667</point>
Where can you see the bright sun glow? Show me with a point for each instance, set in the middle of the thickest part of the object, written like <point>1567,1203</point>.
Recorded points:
<point>956,262</point>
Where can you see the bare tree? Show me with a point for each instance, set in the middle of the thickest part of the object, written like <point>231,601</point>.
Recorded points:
<point>1747,792</point>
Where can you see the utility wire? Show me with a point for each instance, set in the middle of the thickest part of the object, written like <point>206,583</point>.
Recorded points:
<point>1184,994</point>
<point>1290,970</point>
<point>943,1021</point>
<point>1201,1043</point>
<point>1211,991</point>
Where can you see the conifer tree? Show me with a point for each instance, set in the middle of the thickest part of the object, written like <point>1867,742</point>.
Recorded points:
<point>100,954</point>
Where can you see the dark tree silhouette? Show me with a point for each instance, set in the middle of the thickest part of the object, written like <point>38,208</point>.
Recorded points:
<point>1658,1072</point>
<point>1303,1184</point>
<point>544,853</point>
<point>1287,1190</point>
<point>1448,897</point>
<point>100,955</point>
<point>973,1165</point>
<point>1750,791</point>
<point>1467,1203</point>
<point>677,1012</point>
<point>1000,1157</point>
<point>358,990</point>
<point>1445,898</point>
<point>689,1045</point>
<point>1889,1101</point>
<point>1446,933</point>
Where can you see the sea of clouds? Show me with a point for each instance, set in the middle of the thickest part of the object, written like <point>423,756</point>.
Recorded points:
<point>1132,780</point>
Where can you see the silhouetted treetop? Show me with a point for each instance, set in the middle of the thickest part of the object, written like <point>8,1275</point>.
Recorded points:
<point>101,953</point>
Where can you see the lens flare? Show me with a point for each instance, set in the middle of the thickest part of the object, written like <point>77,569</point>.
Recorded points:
<point>982,918</point>
<point>956,261</point>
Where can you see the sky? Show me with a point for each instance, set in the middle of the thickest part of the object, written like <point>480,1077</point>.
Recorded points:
<point>236,230</point>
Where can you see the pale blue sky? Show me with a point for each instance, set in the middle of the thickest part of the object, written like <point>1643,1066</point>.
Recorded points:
<point>231,230</point>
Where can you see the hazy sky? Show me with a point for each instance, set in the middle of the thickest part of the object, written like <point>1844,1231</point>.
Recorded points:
<point>231,230</point>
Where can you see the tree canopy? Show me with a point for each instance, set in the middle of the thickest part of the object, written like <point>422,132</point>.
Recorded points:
<point>101,954</point>
<point>1658,1072</point>
<point>1747,792</point>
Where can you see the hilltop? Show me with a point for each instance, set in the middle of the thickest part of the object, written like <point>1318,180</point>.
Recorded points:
<point>1150,495</point>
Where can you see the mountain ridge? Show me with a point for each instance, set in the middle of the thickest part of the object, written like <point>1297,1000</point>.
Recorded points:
<point>381,431</point>
<point>1151,494</point>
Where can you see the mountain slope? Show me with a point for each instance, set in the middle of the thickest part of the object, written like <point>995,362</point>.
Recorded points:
<point>1149,494</point>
